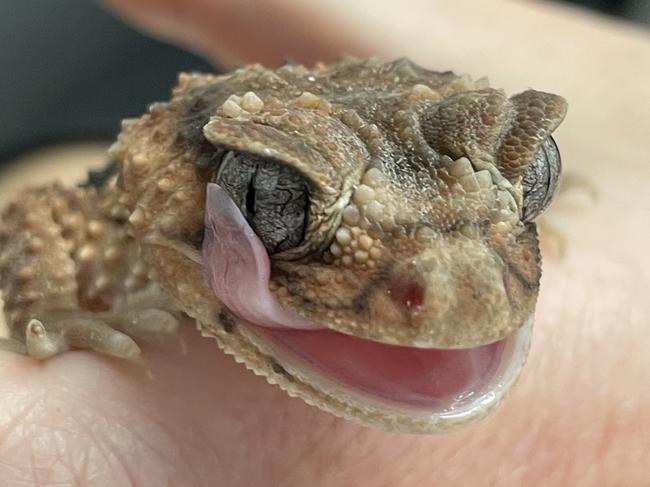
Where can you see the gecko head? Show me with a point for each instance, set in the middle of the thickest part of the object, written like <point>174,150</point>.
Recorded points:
<point>370,227</point>
<point>413,230</point>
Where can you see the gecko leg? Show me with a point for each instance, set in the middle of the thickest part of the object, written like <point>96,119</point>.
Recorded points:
<point>65,262</point>
<point>106,333</point>
<point>44,340</point>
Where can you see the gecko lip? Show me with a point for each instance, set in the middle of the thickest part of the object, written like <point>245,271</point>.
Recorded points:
<point>448,385</point>
<point>450,382</point>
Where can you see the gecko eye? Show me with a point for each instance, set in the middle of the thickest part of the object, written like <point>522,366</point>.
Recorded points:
<point>540,179</point>
<point>273,198</point>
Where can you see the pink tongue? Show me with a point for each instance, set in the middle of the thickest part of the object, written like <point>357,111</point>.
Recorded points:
<point>237,266</point>
<point>238,270</point>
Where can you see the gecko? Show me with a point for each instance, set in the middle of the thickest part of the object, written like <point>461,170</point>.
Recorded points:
<point>360,233</point>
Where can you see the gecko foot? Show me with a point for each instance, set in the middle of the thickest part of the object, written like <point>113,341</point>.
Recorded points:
<point>106,333</point>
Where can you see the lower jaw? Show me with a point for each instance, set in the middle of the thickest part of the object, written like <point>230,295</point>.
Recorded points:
<point>430,389</point>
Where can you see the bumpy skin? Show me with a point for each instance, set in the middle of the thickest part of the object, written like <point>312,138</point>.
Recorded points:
<point>414,229</point>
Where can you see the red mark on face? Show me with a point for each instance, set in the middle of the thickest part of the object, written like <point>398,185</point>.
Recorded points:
<point>414,296</point>
<point>410,295</point>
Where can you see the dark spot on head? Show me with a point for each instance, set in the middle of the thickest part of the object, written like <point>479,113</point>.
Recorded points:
<point>193,118</point>
<point>195,113</point>
<point>198,105</point>
<point>360,302</point>
<point>227,321</point>
<point>278,369</point>
<point>97,179</point>
<point>208,157</point>
<point>120,219</point>
<point>196,238</point>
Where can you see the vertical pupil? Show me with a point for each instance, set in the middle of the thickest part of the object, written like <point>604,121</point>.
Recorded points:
<point>250,197</point>
<point>272,197</point>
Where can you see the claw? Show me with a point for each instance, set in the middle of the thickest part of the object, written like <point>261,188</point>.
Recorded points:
<point>40,344</point>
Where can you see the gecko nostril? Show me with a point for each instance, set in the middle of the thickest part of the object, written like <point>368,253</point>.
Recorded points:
<point>413,296</point>
<point>409,294</point>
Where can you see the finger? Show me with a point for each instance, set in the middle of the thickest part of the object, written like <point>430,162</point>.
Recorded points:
<point>234,31</point>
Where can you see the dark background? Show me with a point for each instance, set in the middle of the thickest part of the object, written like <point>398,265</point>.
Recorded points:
<point>71,72</point>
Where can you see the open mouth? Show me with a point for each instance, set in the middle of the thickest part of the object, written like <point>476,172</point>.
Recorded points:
<point>459,382</point>
<point>442,385</point>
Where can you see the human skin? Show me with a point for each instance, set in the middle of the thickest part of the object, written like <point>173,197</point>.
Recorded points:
<point>580,414</point>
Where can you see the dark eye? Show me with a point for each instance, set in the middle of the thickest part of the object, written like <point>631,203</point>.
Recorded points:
<point>273,198</point>
<point>540,179</point>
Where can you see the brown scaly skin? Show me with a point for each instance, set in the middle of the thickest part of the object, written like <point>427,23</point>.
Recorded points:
<point>395,205</point>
